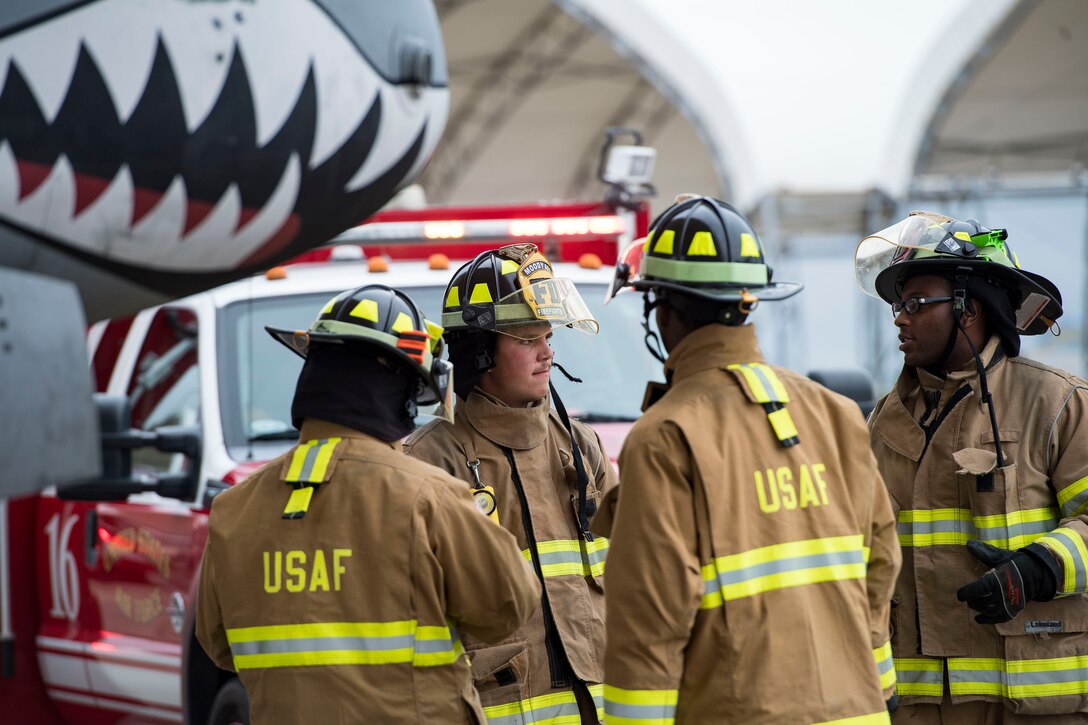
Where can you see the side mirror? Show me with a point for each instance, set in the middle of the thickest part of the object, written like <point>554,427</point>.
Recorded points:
<point>118,439</point>
<point>853,383</point>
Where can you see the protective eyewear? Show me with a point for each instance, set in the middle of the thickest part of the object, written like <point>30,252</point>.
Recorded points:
<point>913,304</point>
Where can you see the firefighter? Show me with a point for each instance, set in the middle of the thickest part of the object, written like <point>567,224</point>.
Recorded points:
<point>753,546</point>
<point>983,453</point>
<point>337,577</point>
<point>535,472</point>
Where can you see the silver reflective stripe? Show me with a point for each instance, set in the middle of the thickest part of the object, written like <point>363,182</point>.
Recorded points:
<point>640,712</point>
<point>884,666</point>
<point>323,644</point>
<point>767,385</point>
<point>537,715</point>
<point>1076,505</point>
<point>796,563</point>
<point>1015,530</point>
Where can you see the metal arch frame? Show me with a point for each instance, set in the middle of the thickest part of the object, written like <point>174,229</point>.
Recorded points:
<point>541,47</point>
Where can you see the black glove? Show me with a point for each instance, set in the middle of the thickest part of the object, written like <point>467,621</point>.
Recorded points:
<point>1016,578</point>
<point>892,703</point>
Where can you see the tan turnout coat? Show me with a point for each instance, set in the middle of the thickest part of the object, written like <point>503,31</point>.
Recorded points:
<point>351,613</point>
<point>525,456</point>
<point>747,582</point>
<point>948,490</point>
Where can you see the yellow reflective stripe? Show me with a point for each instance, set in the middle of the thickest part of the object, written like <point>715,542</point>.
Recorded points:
<point>762,382</point>
<point>366,310</point>
<point>1068,546</point>
<point>1018,678</point>
<point>557,708</point>
<point>453,297</point>
<point>748,245</point>
<point>702,245</point>
<point>885,667</point>
<point>299,502</point>
<point>310,461</point>
<point>873,719</point>
<point>639,707</point>
<point>939,527</point>
<point>922,677</point>
<point>566,557</point>
<point>1074,498</point>
<point>780,566</point>
<point>663,245</point>
<point>782,423</point>
<point>343,643</point>
<point>480,294</point>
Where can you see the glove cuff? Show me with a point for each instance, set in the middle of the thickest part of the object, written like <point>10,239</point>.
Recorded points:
<point>1049,568</point>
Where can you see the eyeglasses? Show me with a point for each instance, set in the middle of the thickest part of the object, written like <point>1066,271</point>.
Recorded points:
<point>913,304</point>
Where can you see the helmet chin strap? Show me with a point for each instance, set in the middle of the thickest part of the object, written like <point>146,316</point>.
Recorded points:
<point>656,349</point>
<point>959,305</point>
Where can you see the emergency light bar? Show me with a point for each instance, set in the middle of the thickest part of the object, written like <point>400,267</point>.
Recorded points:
<point>483,229</point>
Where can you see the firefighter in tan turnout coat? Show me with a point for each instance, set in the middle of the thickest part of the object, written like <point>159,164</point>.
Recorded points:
<point>985,455</point>
<point>337,578</point>
<point>535,472</point>
<point>753,547</point>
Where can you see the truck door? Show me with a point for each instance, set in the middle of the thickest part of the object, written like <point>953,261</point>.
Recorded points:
<point>120,572</point>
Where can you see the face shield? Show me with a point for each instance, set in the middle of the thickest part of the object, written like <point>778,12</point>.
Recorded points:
<point>627,270</point>
<point>555,302</point>
<point>901,242</point>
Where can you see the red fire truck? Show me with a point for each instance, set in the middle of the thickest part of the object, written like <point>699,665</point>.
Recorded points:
<point>97,583</point>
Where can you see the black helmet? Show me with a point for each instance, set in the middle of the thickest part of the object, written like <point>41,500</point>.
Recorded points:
<point>512,286</point>
<point>929,243</point>
<point>388,322</point>
<point>702,247</point>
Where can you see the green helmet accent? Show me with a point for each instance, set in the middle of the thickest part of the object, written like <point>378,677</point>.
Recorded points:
<point>510,286</point>
<point>929,243</point>
<point>382,321</point>
<point>704,247</point>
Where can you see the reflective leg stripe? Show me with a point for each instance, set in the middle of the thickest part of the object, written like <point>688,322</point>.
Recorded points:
<point>884,665</point>
<point>781,566</point>
<point>1018,679</point>
<point>557,708</point>
<point>343,643</point>
<point>919,676</point>
<point>1068,546</point>
<point>639,707</point>
<point>310,461</point>
<point>566,557</point>
<point>1074,498</point>
<point>938,527</point>
<point>875,719</point>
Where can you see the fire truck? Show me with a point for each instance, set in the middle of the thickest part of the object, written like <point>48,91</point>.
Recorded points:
<point>98,581</point>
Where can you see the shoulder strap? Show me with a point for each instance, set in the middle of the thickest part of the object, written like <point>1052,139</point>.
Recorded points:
<point>761,384</point>
<point>311,464</point>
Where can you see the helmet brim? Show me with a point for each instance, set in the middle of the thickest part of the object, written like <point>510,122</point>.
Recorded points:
<point>771,292</point>
<point>889,281</point>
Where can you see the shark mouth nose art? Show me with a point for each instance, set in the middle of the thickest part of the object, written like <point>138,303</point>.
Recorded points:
<point>172,139</point>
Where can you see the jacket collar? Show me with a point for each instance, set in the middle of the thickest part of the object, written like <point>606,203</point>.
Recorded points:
<point>896,426</point>
<point>516,428</point>
<point>316,429</point>
<point>712,347</point>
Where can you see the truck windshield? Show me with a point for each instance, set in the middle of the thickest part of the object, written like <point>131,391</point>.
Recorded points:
<point>257,375</point>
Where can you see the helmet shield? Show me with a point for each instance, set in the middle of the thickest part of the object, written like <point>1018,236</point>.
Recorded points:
<point>555,301</point>
<point>929,243</point>
<point>628,268</point>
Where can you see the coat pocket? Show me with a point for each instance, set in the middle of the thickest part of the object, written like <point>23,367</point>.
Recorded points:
<point>1045,647</point>
<point>500,672</point>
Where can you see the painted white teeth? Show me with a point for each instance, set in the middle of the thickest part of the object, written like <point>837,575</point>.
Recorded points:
<point>277,71</point>
<point>267,222</point>
<point>346,88</point>
<point>96,225</point>
<point>9,177</point>
<point>401,122</point>
<point>123,57</point>
<point>199,54</point>
<point>156,235</point>
<point>38,59</point>
<point>213,232</point>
